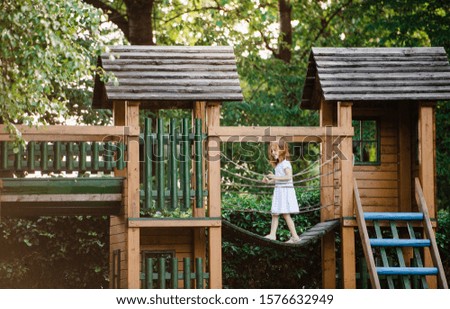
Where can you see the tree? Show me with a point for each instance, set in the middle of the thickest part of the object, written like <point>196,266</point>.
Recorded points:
<point>133,17</point>
<point>48,52</point>
<point>41,70</point>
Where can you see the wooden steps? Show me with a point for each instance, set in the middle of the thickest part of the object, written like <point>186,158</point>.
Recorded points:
<point>407,216</point>
<point>414,271</point>
<point>395,239</point>
<point>416,243</point>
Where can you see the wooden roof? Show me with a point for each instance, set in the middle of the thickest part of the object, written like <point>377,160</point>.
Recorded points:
<point>376,74</point>
<point>158,74</point>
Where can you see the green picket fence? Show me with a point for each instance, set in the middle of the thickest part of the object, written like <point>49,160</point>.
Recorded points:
<point>57,157</point>
<point>158,275</point>
<point>173,165</point>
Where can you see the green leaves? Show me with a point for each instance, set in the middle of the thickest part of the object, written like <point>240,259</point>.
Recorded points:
<point>44,56</point>
<point>56,252</point>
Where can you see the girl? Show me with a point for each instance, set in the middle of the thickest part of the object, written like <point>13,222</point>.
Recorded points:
<point>284,200</point>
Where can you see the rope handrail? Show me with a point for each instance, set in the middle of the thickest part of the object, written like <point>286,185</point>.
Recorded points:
<point>302,172</point>
<point>294,182</point>
<point>234,184</point>
<point>302,210</point>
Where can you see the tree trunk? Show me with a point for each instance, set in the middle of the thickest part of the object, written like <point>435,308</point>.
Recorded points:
<point>139,13</point>
<point>285,9</point>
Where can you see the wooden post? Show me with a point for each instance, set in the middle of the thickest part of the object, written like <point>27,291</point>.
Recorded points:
<point>427,165</point>
<point>199,112</point>
<point>327,198</point>
<point>121,237</point>
<point>117,226</point>
<point>214,199</point>
<point>133,195</point>
<point>404,167</point>
<point>348,234</point>
<point>199,234</point>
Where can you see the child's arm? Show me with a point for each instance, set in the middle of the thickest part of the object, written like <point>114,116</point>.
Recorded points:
<point>286,177</point>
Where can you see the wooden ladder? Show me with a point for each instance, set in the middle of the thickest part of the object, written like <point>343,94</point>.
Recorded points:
<point>380,244</point>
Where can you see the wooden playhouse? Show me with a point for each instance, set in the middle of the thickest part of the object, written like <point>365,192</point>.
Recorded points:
<point>387,170</point>
<point>376,132</point>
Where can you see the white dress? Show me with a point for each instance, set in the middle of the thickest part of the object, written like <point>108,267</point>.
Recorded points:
<point>284,200</point>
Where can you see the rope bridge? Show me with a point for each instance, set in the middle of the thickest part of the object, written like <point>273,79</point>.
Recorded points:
<point>311,235</point>
<point>233,231</point>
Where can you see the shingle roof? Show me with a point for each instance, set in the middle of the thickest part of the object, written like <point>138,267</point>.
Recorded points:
<point>168,73</point>
<point>377,74</point>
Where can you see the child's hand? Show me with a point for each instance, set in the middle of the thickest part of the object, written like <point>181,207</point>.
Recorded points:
<point>269,178</point>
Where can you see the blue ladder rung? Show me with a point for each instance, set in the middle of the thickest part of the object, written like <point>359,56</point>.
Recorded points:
<point>389,242</point>
<point>417,271</point>
<point>406,216</point>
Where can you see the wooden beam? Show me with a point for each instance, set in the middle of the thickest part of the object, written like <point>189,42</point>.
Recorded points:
<point>56,133</point>
<point>347,209</point>
<point>404,148</point>
<point>173,222</point>
<point>267,134</point>
<point>199,234</point>
<point>117,225</point>
<point>367,248</point>
<point>213,161</point>
<point>16,198</point>
<point>214,197</point>
<point>404,167</point>
<point>427,161</point>
<point>199,112</point>
<point>327,198</point>
<point>133,195</point>
<point>427,156</point>
<point>422,204</point>
<point>215,257</point>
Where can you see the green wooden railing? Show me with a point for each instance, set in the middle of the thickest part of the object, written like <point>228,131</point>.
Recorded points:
<point>173,165</point>
<point>156,275</point>
<point>69,157</point>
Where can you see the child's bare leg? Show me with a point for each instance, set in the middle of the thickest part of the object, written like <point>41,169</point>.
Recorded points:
<point>273,228</point>
<point>291,225</point>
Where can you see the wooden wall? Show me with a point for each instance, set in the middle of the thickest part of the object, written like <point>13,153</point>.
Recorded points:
<point>118,241</point>
<point>378,184</point>
<point>179,241</point>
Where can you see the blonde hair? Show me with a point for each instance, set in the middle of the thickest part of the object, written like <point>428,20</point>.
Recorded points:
<point>283,152</point>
